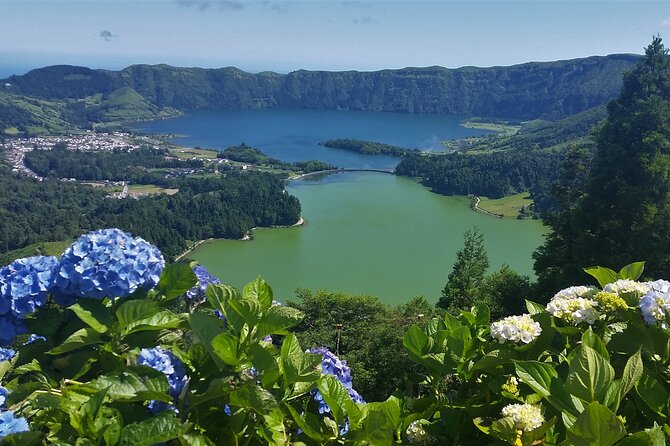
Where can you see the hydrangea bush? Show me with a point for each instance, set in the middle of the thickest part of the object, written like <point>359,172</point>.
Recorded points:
<point>124,350</point>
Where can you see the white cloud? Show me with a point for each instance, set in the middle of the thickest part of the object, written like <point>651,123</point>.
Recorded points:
<point>666,22</point>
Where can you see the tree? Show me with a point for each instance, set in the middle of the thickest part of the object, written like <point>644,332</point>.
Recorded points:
<point>464,284</point>
<point>505,292</point>
<point>623,214</point>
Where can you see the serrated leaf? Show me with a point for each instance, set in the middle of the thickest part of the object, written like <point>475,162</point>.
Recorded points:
<point>31,438</point>
<point>140,383</point>
<point>603,275</point>
<point>534,308</point>
<point>260,291</point>
<point>596,426</point>
<point>160,428</point>
<point>93,313</point>
<point>335,395</point>
<point>132,311</point>
<point>632,271</point>
<point>647,437</point>
<point>246,309</point>
<point>254,397</point>
<point>277,319</point>
<point>193,439</point>
<point>590,375</point>
<point>78,339</point>
<point>652,393</point>
<point>297,365</point>
<point>538,375</point>
<point>176,279</point>
<point>225,346</point>
<point>632,373</point>
<point>592,340</point>
<point>416,341</point>
<point>482,314</point>
<point>266,364</point>
<point>162,320</point>
<point>309,423</point>
<point>205,328</point>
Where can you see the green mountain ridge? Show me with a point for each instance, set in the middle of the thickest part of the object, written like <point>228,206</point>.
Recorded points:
<point>535,90</point>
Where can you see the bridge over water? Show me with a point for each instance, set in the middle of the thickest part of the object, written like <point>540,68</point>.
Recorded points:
<point>321,172</point>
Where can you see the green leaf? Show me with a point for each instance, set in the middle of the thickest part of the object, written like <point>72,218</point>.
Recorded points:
<point>592,340</point>
<point>31,438</point>
<point>162,320</point>
<point>632,373</point>
<point>538,375</point>
<point>590,375</point>
<point>266,364</point>
<point>140,383</point>
<point>297,365</point>
<point>260,291</point>
<point>335,395</point>
<point>603,275</point>
<point>78,339</point>
<point>93,313</point>
<point>376,427</point>
<point>596,426</point>
<point>246,309</point>
<point>652,393</point>
<point>416,341</point>
<point>534,308</point>
<point>277,319</point>
<point>132,311</point>
<point>309,423</point>
<point>482,314</point>
<point>176,279</point>
<point>632,271</point>
<point>218,294</point>
<point>254,397</point>
<point>205,327</point>
<point>225,345</point>
<point>193,439</point>
<point>160,428</point>
<point>647,437</point>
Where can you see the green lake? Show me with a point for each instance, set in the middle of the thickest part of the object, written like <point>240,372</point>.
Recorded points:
<point>369,233</point>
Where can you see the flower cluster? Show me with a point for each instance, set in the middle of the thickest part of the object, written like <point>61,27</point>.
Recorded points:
<point>609,302</point>
<point>9,424</point>
<point>332,365</point>
<point>526,417</point>
<point>623,286</point>
<point>164,361</point>
<point>107,263</point>
<point>416,433</point>
<point>660,286</point>
<point>197,293</point>
<point>516,329</point>
<point>511,385</point>
<point>655,307</point>
<point>24,287</point>
<point>575,305</point>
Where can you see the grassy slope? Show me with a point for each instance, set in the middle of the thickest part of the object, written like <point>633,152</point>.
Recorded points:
<point>507,206</point>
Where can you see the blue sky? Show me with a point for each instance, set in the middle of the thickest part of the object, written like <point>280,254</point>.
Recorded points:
<point>258,35</point>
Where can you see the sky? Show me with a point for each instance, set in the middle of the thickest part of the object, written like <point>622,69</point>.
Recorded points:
<point>283,36</point>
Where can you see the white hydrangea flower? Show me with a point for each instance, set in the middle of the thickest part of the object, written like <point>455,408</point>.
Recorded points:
<point>416,434</point>
<point>516,329</point>
<point>660,286</point>
<point>655,306</point>
<point>575,305</point>
<point>526,416</point>
<point>626,286</point>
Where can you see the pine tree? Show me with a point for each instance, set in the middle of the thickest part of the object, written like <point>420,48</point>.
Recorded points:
<point>464,284</point>
<point>624,213</point>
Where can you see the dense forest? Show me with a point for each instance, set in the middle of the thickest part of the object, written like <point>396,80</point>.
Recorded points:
<point>117,165</point>
<point>547,90</point>
<point>367,147</point>
<point>225,206</point>
<point>247,154</point>
<point>494,175</point>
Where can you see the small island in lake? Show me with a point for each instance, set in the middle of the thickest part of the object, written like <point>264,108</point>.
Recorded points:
<point>367,147</point>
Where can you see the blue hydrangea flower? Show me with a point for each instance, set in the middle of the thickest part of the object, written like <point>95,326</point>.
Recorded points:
<point>204,279</point>
<point>6,354</point>
<point>332,365</point>
<point>34,338</point>
<point>10,327</point>
<point>164,361</point>
<point>107,263</point>
<point>9,424</point>
<point>3,396</point>
<point>25,284</point>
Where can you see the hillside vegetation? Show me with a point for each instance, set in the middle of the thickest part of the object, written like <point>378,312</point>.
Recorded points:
<point>547,90</point>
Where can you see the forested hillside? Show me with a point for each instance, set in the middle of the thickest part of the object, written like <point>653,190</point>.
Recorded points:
<point>548,90</point>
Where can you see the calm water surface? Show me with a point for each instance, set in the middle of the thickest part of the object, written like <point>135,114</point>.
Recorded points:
<point>366,233</point>
<point>294,135</point>
<point>369,233</point>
